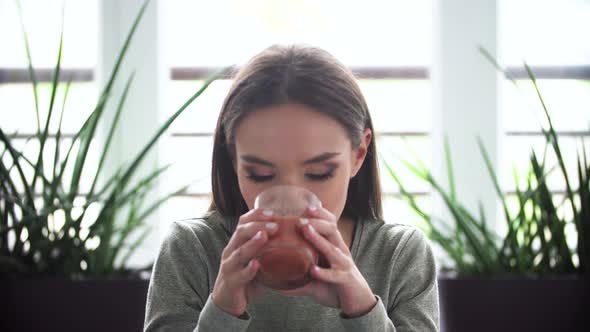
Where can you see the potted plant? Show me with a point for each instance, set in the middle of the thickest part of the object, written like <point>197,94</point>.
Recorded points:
<point>528,278</point>
<point>63,252</point>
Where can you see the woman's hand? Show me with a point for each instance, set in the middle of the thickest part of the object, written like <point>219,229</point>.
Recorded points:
<point>340,285</point>
<point>234,287</point>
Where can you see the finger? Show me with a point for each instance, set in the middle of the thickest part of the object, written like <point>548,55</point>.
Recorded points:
<point>327,229</point>
<point>327,275</point>
<point>320,213</point>
<point>247,274</point>
<point>243,254</point>
<point>256,215</point>
<point>245,232</point>
<point>335,256</point>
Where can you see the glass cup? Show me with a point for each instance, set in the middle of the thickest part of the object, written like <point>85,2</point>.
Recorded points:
<point>286,258</point>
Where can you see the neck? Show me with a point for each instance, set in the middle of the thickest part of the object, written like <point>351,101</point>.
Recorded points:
<point>346,228</point>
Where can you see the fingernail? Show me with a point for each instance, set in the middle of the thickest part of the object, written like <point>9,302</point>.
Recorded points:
<point>304,221</point>
<point>270,225</point>
<point>311,228</point>
<point>258,235</point>
<point>267,212</point>
<point>313,207</point>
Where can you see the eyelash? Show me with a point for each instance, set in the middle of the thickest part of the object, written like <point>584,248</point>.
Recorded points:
<point>314,177</point>
<point>258,178</point>
<point>321,177</point>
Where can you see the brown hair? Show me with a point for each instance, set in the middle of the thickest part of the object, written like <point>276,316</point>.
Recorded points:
<point>294,74</point>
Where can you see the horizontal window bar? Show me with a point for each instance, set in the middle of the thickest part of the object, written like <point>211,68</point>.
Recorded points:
<point>193,195</point>
<point>581,72</point>
<point>199,73</point>
<point>196,73</point>
<point>22,136</point>
<point>565,133</point>
<point>402,134</point>
<point>378,134</point>
<point>391,72</point>
<point>552,72</point>
<point>29,135</point>
<point>192,135</point>
<point>39,195</point>
<point>21,75</point>
<point>554,192</point>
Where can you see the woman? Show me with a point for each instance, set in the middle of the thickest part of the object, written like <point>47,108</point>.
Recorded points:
<point>294,115</point>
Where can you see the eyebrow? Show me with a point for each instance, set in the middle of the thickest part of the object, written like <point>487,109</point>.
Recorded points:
<point>318,159</point>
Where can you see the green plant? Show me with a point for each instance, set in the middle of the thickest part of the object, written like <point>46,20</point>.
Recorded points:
<point>535,240</point>
<point>30,204</point>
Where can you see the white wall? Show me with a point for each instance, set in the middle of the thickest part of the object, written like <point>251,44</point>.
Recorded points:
<point>140,118</point>
<point>465,97</point>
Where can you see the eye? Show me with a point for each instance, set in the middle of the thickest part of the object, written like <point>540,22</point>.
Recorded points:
<point>320,177</point>
<point>259,178</point>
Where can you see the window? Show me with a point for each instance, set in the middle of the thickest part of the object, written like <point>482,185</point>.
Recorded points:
<point>389,44</point>
<point>372,38</point>
<point>550,36</point>
<point>551,39</point>
<point>42,20</point>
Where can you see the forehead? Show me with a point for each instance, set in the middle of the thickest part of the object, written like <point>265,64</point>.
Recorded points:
<point>290,130</point>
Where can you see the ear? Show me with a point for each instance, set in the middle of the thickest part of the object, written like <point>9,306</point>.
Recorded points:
<point>360,152</point>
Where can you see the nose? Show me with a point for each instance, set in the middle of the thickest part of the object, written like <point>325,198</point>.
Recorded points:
<point>290,179</point>
<point>295,181</point>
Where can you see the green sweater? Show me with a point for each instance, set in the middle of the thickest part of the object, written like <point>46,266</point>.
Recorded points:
<point>396,260</point>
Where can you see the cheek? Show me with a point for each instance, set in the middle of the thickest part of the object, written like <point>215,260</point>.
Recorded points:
<point>333,194</point>
<point>249,190</point>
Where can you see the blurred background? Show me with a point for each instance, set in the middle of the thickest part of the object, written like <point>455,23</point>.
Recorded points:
<point>418,62</point>
<point>78,238</point>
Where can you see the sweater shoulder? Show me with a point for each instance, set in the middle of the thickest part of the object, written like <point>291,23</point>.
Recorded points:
<point>377,233</point>
<point>386,243</point>
<point>204,236</point>
<point>206,228</point>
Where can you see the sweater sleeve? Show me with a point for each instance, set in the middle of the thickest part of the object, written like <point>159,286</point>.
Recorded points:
<point>415,307</point>
<point>178,296</point>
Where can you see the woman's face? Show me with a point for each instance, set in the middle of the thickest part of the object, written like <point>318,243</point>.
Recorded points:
<point>291,144</point>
